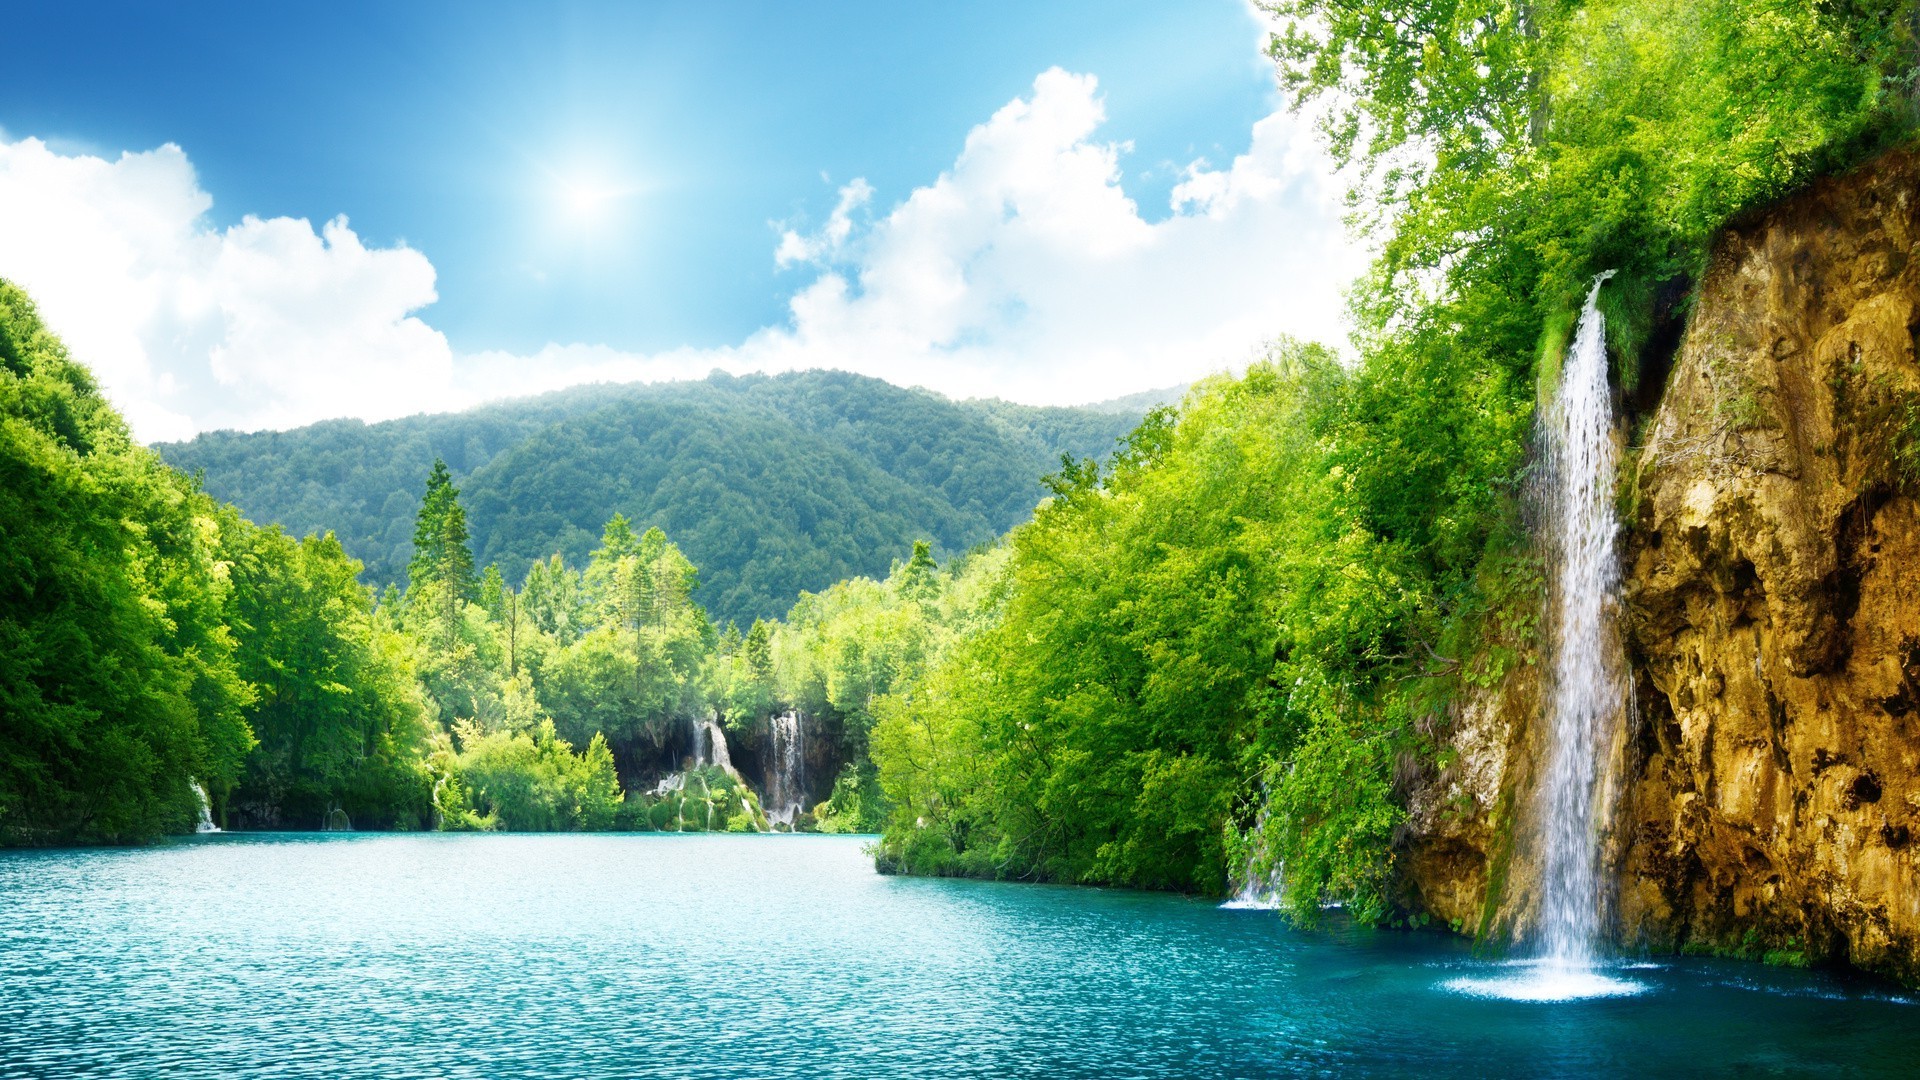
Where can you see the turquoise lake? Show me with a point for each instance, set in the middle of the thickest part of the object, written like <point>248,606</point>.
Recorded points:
<point>773,956</point>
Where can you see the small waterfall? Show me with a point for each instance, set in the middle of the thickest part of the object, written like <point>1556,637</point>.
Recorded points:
<point>699,750</point>
<point>206,824</point>
<point>717,740</point>
<point>1258,888</point>
<point>786,778</point>
<point>335,820</point>
<point>1587,688</point>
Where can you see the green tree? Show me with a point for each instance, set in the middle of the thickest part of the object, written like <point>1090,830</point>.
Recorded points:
<point>338,715</point>
<point>440,575</point>
<point>117,682</point>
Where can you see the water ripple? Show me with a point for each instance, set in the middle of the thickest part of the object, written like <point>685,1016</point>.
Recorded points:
<point>725,957</point>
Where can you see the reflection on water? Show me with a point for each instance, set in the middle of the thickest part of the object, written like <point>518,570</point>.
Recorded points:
<point>775,956</point>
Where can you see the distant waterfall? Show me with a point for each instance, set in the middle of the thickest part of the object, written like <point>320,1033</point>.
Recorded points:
<point>206,824</point>
<point>786,775</point>
<point>1587,688</point>
<point>335,820</point>
<point>699,727</point>
<point>717,744</point>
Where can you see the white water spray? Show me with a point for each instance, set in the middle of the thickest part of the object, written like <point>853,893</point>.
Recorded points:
<point>206,824</point>
<point>1586,691</point>
<point>786,779</point>
<point>699,756</point>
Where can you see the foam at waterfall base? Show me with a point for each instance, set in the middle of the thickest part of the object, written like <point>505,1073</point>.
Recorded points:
<point>1545,981</point>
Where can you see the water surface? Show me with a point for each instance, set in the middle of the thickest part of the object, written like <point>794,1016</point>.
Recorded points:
<point>786,956</point>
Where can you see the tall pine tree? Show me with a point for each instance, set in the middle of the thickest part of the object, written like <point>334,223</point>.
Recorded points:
<point>440,575</point>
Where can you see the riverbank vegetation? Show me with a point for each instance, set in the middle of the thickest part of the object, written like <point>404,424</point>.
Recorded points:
<point>1231,650</point>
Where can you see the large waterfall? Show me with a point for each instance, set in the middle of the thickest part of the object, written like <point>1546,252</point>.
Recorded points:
<point>1586,691</point>
<point>786,774</point>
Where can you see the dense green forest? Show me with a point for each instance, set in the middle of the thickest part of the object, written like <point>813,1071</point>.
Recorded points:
<point>153,641</point>
<point>773,485</point>
<point>1237,642</point>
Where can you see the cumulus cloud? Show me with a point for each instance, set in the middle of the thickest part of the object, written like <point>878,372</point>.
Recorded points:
<point>1025,270</point>
<point>188,326</point>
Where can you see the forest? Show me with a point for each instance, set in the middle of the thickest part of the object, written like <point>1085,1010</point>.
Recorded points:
<point>158,648</point>
<point>1233,648</point>
<point>1226,645</point>
<point>773,484</point>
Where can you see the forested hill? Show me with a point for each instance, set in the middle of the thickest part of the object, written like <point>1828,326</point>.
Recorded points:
<point>771,484</point>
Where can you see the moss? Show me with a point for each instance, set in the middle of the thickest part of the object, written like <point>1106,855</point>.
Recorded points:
<point>1627,491</point>
<point>1906,441</point>
<point>1499,863</point>
<point>1627,303</point>
<point>1752,945</point>
<point>1555,333</point>
<point>1789,957</point>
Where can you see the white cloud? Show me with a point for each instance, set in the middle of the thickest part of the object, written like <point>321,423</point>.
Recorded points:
<point>795,248</point>
<point>1026,271</point>
<point>1023,271</point>
<point>189,326</point>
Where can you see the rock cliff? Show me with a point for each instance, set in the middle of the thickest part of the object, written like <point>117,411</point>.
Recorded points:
<point>1764,792</point>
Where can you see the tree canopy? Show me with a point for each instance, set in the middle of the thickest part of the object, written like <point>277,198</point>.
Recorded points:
<point>774,485</point>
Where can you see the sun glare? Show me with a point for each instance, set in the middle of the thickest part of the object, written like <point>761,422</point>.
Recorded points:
<point>583,200</point>
<point>587,199</point>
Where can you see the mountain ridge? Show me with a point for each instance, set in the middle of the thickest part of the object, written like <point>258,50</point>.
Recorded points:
<point>773,484</point>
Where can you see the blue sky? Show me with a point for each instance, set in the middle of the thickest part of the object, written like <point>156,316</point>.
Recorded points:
<point>600,190</point>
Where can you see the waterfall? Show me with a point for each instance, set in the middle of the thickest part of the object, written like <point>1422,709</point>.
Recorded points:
<point>206,809</point>
<point>1587,692</point>
<point>1587,689</point>
<point>699,751</point>
<point>717,740</point>
<point>1257,888</point>
<point>786,775</point>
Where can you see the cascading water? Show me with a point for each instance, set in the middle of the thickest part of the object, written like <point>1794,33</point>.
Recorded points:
<point>1258,888</point>
<point>206,824</point>
<point>717,742</point>
<point>1587,691</point>
<point>786,778</point>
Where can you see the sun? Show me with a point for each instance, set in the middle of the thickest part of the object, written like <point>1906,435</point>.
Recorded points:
<point>584,199</point>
